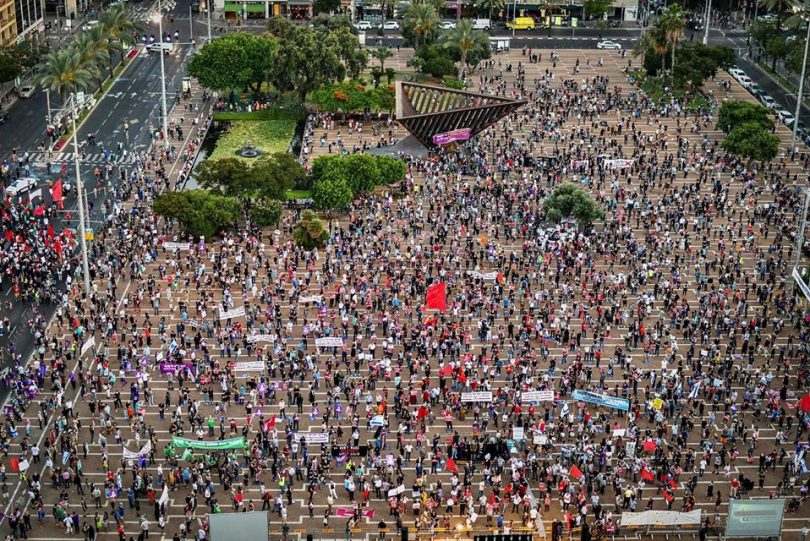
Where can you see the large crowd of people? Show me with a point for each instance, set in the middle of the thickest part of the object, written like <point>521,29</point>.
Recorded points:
<point>654,361</point>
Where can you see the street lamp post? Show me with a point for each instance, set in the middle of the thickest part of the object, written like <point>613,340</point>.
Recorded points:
<point>708,20</point>
<point>162,78</point>
<point>208,6</point>
<point>48,102</point>
<point>800,95</point>
<point>80,198</point>
<point>190,25</point>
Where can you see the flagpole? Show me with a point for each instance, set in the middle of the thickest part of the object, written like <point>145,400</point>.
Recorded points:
<point>80,195</point>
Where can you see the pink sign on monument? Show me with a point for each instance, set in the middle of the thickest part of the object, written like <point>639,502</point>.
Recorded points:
<point>461,134</point>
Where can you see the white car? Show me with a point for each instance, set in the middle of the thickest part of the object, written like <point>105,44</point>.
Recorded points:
<point>22,184</point>
<point>164,46</point>
<point>447,25</point>
<point>364,25</point>
<point>391,25</point>
<point>607,44</point>
<point>768,101</point>
<point>786,117</point>
<point>26,91</point>
<point>745,81</point>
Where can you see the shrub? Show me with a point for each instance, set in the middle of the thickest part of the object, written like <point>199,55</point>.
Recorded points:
<point>310,232</point>
<point>266,213</point>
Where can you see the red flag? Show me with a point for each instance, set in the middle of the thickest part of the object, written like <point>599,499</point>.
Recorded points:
<point>673,483</point>
<point>647,475</point>
<point>437,297</point>
<point>56,191</point>
<point>57,246</point>
<point>15,463</point>
<point>271,423</point>
<point>804,403</point>
<point>50,230</point>
<point>575,472</point>
<point>40,210</point>
<point>451,465</point>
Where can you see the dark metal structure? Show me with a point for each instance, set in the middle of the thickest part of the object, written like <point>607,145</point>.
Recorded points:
<point>426,110</point>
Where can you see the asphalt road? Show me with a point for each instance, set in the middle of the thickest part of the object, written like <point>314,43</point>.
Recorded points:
<point>134,99</point>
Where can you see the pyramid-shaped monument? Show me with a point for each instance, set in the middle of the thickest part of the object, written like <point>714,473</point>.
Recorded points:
<point>435,115</point>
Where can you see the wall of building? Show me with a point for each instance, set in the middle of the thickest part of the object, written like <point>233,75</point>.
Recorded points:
<point>8,23</point>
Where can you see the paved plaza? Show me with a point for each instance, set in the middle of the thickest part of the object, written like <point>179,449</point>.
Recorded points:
<point>680,295</point>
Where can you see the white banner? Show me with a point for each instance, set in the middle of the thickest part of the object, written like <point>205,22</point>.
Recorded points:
<point>618,164</point>
<point>477,396</point>
<point>396,491</point>
<point>236,312</point>
<point>661,518</point>
<point>24,465</point>
<point>177,246</point>
<point>310,298</point>
<point>329,342</point>
<point>164,496</point>
<point>313,437</point>
<point>536,396</point>
<point>483,275</point>
<point>261,338</point>
<point>249,366</point>
<point>33,194</point>
<point>145,450</point>
<point>517,433</point>
<point>89,344</point>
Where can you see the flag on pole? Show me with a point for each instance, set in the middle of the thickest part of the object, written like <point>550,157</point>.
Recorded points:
<point>35,193</point>
<point>437,297</point>
<point>164,497</point>
<point>451,465</point>
<point>575,472</point>
<point>270,424</point>
<point>56,191</point>
<point>647,475</point>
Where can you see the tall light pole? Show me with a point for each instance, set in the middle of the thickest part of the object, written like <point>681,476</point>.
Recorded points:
<point>190,25</point>
<point>208,6</point>
<point>708,20</point>
<point>162,78</point>
<point>80,198</point>
<point>801,89</point>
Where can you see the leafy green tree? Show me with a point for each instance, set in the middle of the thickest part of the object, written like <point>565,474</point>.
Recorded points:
<point>489,6</point>
<point>761,31</point>
<point>671,24</point>
<point>331,192</point>
<point>391,170</point>
<point>310,232</point>
<point>780,7</point>
<point>381,98</point>
<point>198,212</point>
<point>597,9</point>
<point>437,61</point>
<point>238,61</point>
<point>777,49</point>
<point>91,47</point>
<point>121,26</point>
<point>421,24</point>
<point>696,62</point>
<point>226,176</point>
<point>266,212</point>
<point>325,6</point>
<point>752,141</point>
<point>795,58</point>
<point>62,71</point>
<point>734,113</point>
<point>321,164</point>
<point>571,200</point>
<point>381,54</point>
<point>465,39</point>
<point>9,67</point>
<point>273,174</point>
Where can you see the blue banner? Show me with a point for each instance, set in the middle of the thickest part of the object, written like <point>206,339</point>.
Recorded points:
<point>613,402</point>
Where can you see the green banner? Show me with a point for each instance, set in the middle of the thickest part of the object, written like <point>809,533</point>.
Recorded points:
<point>232,443</point>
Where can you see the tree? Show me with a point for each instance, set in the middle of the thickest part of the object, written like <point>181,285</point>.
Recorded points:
<point>326,22</point>
<point>198,212</point>
<point>310,232</point>
<point>696,62</point>
<point>571,200</point>
<point>421,24</point>
<point>752,141</point>
<point>598,8</point>
<point>382,98</point>
<point>121,26</point>
<point>777,49</point>
<point>266,212</point>
<point>331,192</point>
<point>62,71</point>
<point>381,54</point>
<point>226,176</point>
<point>391,170</point>
<point>548,7</point>
<point>325,6</point>
<point>9,67</point>
<point>465,39</point>
<point>780,7</point>
<point>238,61</point>
<point>761,31</point>
<point>273,174</point>
<point>91,47</point>
<point>489,6</point>
<point>437,61</point>
<point>734,113</point>
<point>672,22</point>
<point>652,46</point>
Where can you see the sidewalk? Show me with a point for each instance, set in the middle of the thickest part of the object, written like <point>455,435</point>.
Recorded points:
<point>192,116</point>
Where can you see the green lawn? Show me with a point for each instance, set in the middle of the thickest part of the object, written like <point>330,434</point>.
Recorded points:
<point>268,136</point>
<point>298,194</point>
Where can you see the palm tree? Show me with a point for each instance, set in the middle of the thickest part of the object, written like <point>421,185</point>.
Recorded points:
<point>780,7</point>
<point>466,39</point>
<point>91,48</point>
<point>654,39</point>
<point>120,24</point>
<point>489,5</point>
<point>671,24</point>
<point>423,21</point>
<point>62,71</point>
<point>382,54</point>
<point>548,7</point>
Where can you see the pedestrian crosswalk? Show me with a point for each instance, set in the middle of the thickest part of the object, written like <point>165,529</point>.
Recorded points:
<point>92,158</point>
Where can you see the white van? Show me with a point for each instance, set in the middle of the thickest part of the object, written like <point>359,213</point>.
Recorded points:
<point>166,47</point>
<point>482,24</point>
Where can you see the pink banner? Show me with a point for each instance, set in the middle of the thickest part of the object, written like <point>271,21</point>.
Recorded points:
<point>448,137</point>
<point>348,512</point>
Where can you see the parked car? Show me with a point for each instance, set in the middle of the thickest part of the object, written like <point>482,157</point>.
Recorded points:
<point>745,81</point>
<point>364,25</point>
<point>391,25</point>
<point>786,117</point>
<point>21,185</point>
<point>447,25</point>
<point>608,44</point>
<point>768,101</point>
<point>26,91</point>
<point>754,89</point>
<point>521,23</point>
<point>735,72</point>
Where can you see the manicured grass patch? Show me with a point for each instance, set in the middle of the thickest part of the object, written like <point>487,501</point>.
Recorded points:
<point>298,194</point>
<point>263,114</point>
<point>268,136</point>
